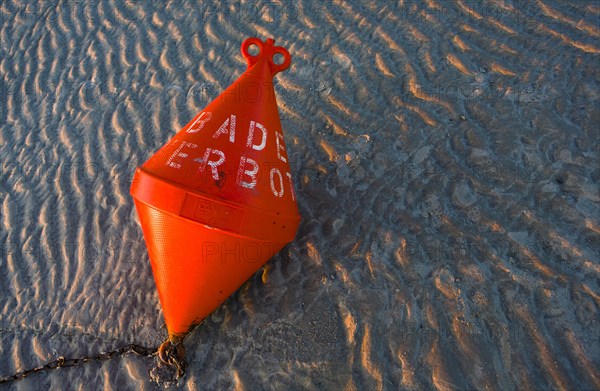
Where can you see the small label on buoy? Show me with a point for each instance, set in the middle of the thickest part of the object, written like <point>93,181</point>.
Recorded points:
<point>211,212</point>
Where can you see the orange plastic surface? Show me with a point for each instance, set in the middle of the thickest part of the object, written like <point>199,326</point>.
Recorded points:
<point>217,201</point>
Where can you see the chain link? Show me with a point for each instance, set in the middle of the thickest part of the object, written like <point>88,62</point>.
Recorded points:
<point>173,354</point>
<point>62,362</point>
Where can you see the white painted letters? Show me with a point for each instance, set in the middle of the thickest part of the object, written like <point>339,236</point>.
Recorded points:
<point>175,160</point>
<point>247,171</point>
<point>251,173</point>
<point>212,163</point>
<point>280,146</point>
<point>263,142</point>
<point>291,185</point>
<point>203,118</point>
<point>229,122</point>
<point>277,193</point>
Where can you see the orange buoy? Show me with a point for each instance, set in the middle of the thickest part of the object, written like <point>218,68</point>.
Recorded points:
<point>217,200</point>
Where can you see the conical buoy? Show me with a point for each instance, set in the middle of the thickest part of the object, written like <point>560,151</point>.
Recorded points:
<point>217,200</point>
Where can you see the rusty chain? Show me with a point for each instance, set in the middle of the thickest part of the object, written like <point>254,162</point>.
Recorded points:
<point>62,362</point>
<point>173,354</point>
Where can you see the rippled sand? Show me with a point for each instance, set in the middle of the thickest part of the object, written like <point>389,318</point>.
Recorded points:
<point>446,162</point>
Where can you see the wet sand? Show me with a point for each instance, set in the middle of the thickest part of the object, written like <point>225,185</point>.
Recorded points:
<point>445,157</point>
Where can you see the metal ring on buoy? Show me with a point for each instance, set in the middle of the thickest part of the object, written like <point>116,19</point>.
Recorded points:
<point>173,354</point>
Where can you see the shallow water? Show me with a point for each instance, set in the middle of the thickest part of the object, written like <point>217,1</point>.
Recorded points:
<point>446,162</point>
